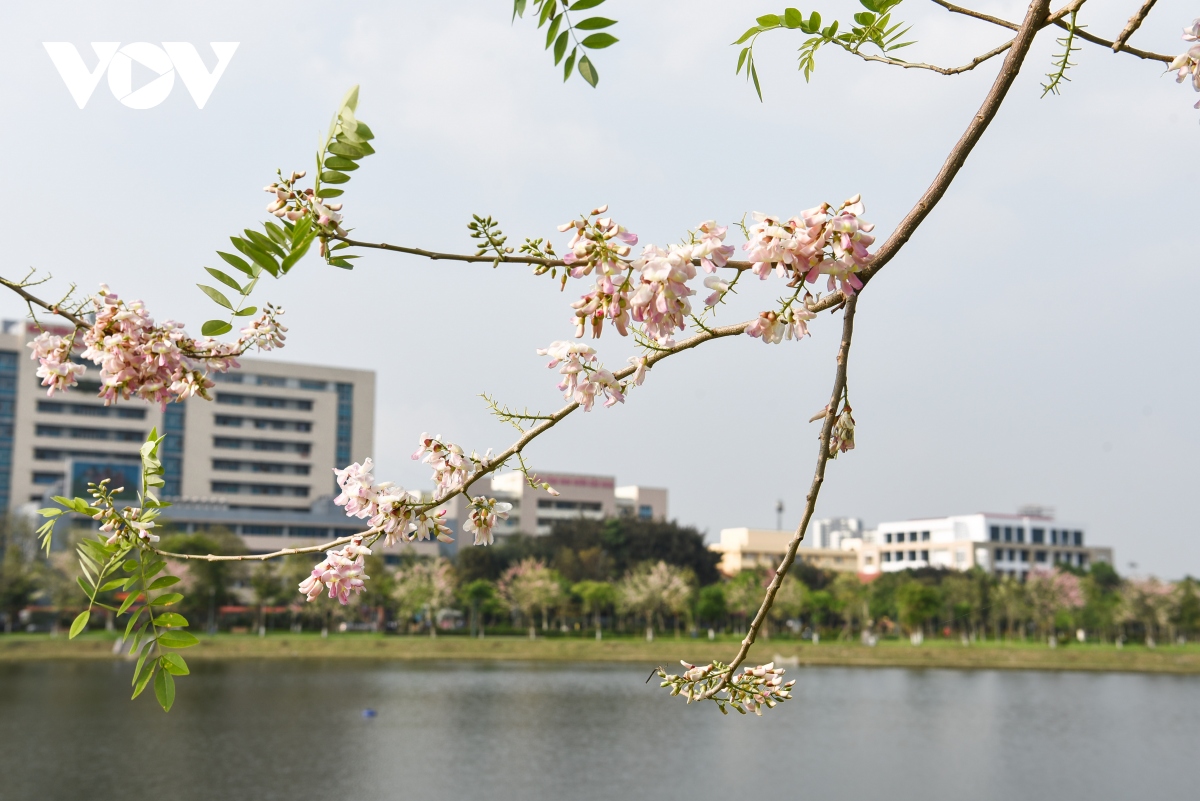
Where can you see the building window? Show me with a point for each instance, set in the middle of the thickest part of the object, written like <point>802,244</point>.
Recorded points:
<point>887,556</point>
<point>1054,536</point>
<point>173,424</point>
<point>1037,536</point>
<point>47,478</point>
<point>912,556</point>
<point>308,531</point>
<point>925,556</point>
<point>1039,556</point>
<point>995,532</point>
<point>999,554</point>
<point>1024,556</point>
<point>887,538</point>
<point>345,422</point>
<point>263,402</point>
<point>924,536</point>
<point>272,531</point>
<point>645,511</point>
<point>1012,555</point>
<point>1079,539</point>
<point>1083,560</point>
<point>1008,534</point>
<point>899,556</point>
<point>1020,533</point>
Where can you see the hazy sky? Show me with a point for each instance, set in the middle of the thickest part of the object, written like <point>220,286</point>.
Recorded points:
<point>1034,343</point>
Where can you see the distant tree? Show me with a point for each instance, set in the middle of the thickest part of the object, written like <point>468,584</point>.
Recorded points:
<point>1148,602</point>
<point>743,594</point>
<point>528,587</point>
<point>916,603</point>
<point>18,550</point>
<point>1052,592</point>
<point>209,585</point>
<point>710,604</point>
<point>595,597</point>
<point>1010,604</point>
<point>1187,609</point>
<point>789,602</point>
<point>655,589</point>
<point>630,541</point>
<point>854,600</point>
<point>426,586</point>
<point>476,594</point>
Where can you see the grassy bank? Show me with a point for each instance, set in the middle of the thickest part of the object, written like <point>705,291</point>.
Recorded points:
<point>666,651</point>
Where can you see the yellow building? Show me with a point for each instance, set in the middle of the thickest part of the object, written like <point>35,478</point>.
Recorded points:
<point>743,548</point>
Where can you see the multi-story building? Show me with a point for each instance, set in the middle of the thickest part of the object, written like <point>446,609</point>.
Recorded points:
<point>832,532</point>
<point>1003,544</point>
<point>591,497</point>
<point>257,458</point>
<point>749,548</point>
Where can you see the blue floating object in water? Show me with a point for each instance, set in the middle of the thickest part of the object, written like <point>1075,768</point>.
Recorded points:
<point>369,713</point>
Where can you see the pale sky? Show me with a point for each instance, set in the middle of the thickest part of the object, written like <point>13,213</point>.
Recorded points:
<point>1031,344</point>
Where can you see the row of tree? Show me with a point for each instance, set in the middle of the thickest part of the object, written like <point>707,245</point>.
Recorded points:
<point>629,575</point>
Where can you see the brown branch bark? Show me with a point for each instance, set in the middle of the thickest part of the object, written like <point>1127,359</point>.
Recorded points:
<point>1003,23</point>
<point>1134,23</point>
<point>1034,20</point>
<point>810,501</point>
<point>1124,48</point>
<point>495,463</point>
<point>36,301</point>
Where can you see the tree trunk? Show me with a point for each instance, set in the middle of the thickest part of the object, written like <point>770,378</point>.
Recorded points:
<point>599,636</point>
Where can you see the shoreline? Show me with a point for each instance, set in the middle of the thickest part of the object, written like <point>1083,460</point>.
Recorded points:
<point>667,650</point>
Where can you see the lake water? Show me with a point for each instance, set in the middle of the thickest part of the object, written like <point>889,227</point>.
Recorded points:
<point>296,730</point>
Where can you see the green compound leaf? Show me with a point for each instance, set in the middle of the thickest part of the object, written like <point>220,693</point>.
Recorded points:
<point>599,41</point>
<point>588,71</point>
<point>173,638</point>
<point>215,328</point>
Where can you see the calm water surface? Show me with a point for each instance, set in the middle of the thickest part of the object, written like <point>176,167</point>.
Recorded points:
<point>296,730</point>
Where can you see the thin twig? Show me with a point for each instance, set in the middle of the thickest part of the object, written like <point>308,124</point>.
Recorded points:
<point>490,466</point>
<point>1134,23</point>
<point>1003,23</point>
<point>908,65</point>
<point>810,501</point>
<point>1034,21</point>
<point>1133,51</point>
<point>36,301</point>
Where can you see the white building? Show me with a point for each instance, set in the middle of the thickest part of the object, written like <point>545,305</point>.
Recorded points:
<point>580,495</point>
<point>832,532</point>
<point>257,459</point>
<point>1003,544</point>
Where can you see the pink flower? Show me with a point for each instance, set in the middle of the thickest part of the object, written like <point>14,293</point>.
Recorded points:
<point>774,328</point>
<point>598,382</point>
<point>819,241</point>
<point>427,525</point>
<point>842,437</point>
<point>342,572</point>
<point>450,466</point>
<point>639,373</point>
<point>719,287</point>
<point>483,516</point>
<point>55,367</point>
<point>575,358</point>
<point>711,249</point>
<point>660,302</point>
<point>597,244</point>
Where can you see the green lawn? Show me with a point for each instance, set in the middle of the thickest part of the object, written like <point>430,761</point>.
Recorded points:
<point>665,651</point>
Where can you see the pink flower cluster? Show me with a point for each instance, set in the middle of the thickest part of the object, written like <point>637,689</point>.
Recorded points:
<point>386,506</point>
<point>841,438</point>
<point>293,204</point>
<point>55,367</point>
<point>139,358</point>
<point>482,518</point>
<point>820,241</point>
<point>598,244</point>
<point>774,328</point>
<point>1063,588</point>
<point>1187,64</point>
<point>660,302</point>
<point>342,571</point>
<point>450,467</point>
<point>583,379</point>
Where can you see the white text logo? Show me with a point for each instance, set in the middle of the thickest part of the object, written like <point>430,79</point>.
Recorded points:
<point>164,61</point>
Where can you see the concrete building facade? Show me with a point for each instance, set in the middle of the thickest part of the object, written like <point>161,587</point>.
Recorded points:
<point>265,445</point>
<point>1002,544</point>
<point>750,548</point>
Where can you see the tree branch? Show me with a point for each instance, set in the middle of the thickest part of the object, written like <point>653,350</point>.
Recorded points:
<point>1124,48</point>
<point>908,65</point>
<point>1134,23</point>
<point>19,288</point>
<point>487,467</point>
<point>810,501</point>
<point>1003,23</point>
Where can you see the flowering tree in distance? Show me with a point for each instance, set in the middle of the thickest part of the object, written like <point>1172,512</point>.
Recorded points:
<point>821,259</point>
